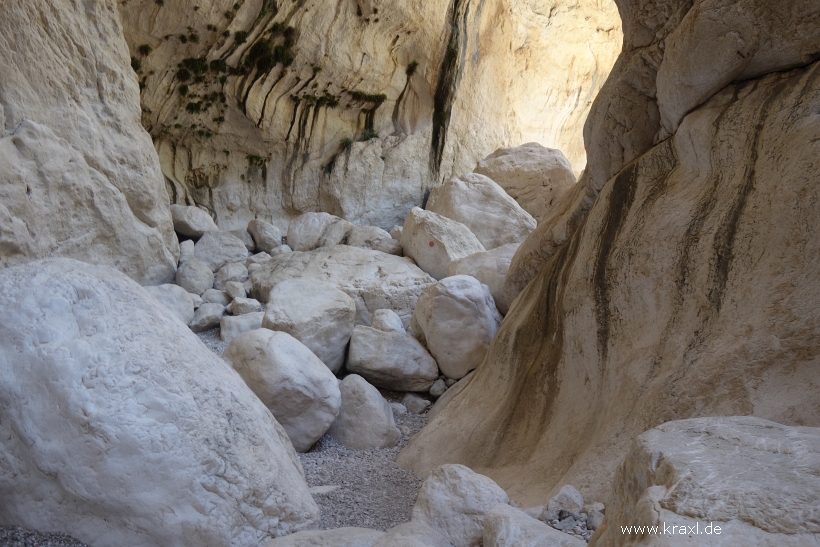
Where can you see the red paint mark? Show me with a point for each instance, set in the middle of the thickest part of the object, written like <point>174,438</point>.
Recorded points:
<point>432,244</point>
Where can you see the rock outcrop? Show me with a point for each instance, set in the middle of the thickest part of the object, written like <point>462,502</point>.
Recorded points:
<point>119,427</point>
<point>769,480</point>
<point>266,110</point>
<point>688,289</point>
<point>80,177</point>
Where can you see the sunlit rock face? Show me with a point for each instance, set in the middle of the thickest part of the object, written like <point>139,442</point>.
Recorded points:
<point>677,280</point>
<point>78,175</point>
<point>277,108</point>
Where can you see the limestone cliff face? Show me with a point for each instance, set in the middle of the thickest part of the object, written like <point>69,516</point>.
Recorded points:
<point>690,286</point>
<point>265,109</point>
<point>79,177</point>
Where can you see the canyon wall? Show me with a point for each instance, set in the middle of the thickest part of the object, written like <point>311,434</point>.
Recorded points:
<point>80,177</point>
<point>680,278</point>
<point>264,109</point>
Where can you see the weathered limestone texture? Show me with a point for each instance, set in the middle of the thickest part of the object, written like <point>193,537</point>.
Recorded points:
<point>80,177</point>
<point>119,427</point>
<point>755,479</point>
<point>363,107</point>
<point>689,289</point>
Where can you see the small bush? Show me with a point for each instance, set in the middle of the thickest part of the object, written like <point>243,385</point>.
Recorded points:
<point>237,6</point>
<point>212,28</point>
<point>183,38</point>
<point>223,79</point>
<point>226,34</point>
<point>369,134</point>
<point>194,37</point>
<point>240,37</point>
<point>193,107</point>
<point>411,68</point>
<point>144,50</point>
<point>183,89</point>
<point>346,143</point>
<point>219,65</point>
<point>160,3</point>
<point>136,64</point>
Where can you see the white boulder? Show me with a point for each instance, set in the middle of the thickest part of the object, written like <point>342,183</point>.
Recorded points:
<point>372,237</point>
<point>318,315</point>
<point>434,241</point>
<point>454,500</point>
<point>236,289</point>
<point>176,299</point>
<point>207,317</point>
<point>387,321</point>
<point>535,176</point>
<point>456,319</point>
<point>281,249</point>
<point>194,276</point>
<point>395,232</point>
<point>391,360</point>
<point>232,271</point>
<point>505,526</point>
<point>301,393</point>
<point>374,280</point>
<point>365,419</point>
<point>246,238</point>
<point>191,221</point>
<point>186,250</point>
<point>484,207</point>
<point>413,534</point>
<point>491,269</point>
<point>241,306</point>
<point>111,410</point>
<point>265,235</point>
<point>305,230</point>
<point>567,499</point>
<point>415,404</point>
<point>216,249</point>
<point>213,296</point>
<point>231,326</point>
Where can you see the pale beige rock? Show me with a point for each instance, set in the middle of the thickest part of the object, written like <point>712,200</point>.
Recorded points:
<point>372,237</point>
<point>305,231</point>
<point>751,477</point>
<point>338,537</point>
<point>374,280</point>
<point>490,268</point>
<point>484,207</point>
<point>236,289</point>
<point>216,249</point>
<point>318,315</point>
<point>685,253</point>
<point>111,409</point>
<point>246,238</point>
<point>456,320</point>
<point>365,419</point>
<point>175,299</point>
<point>391,360</point>
<point>505,526</point>
<point>395,232</point>
<point>387,321</point>
<point>214,296</point>
<point>265,235</point>
<point>413,534</point>
<point>525,72</point>
<point>207,317</point>
<point>233,271</point>
<point>231,326</point>
<point>567,499</point>
<point>192,221</point>
<point>434,241</point>
<point>454,500</point>
<point>186,250</point>
<point>194,276</point>
<point>535,176</point>
<point>300,391</point>
<point>242,306</point>
<point>80,177</point>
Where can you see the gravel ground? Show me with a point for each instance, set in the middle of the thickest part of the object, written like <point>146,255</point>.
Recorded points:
<point>362,488</point>
<point>12,536</point>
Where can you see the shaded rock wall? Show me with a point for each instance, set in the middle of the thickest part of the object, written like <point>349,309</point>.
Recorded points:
<point>443,83</point>
<point>689,289</point>
<point>79,176</point>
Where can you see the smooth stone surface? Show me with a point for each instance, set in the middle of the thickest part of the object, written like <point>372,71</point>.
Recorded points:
<point>231,326</point>
<point>233,271</point>
<point>111,409</point>
<point>191,221</point>
<point>434,241</point>
<point>395,232</point>
<point>235,289</point>
<point>176,299</point>
<point>374,280</point>
<point>391,360</point>
<point>372,237</point>
<point>532,174</point>
<point>241,306</point>
<point>505,526</point>
<point>365,419</point>
<point>318,315</point>
<point>454,501</point>
<point>438,388</point>
<point>246,238</point>
<point>414,403</point>
<point>207,317</point>
<point>213,296</point>
<point>387,321</point>
<point>266,236</point>
<point>484,207</point>
<point>216,249</point>
<point>301,393</point>
<point>186,250</point>
<point>413,534</point>
<point>305,230</point>
<point>491,269</point>
<point>194,276</point>
<point>567,499</point>
<point>456,319</point>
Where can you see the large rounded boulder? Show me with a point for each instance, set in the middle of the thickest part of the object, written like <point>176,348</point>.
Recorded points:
<point>119,427</point>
